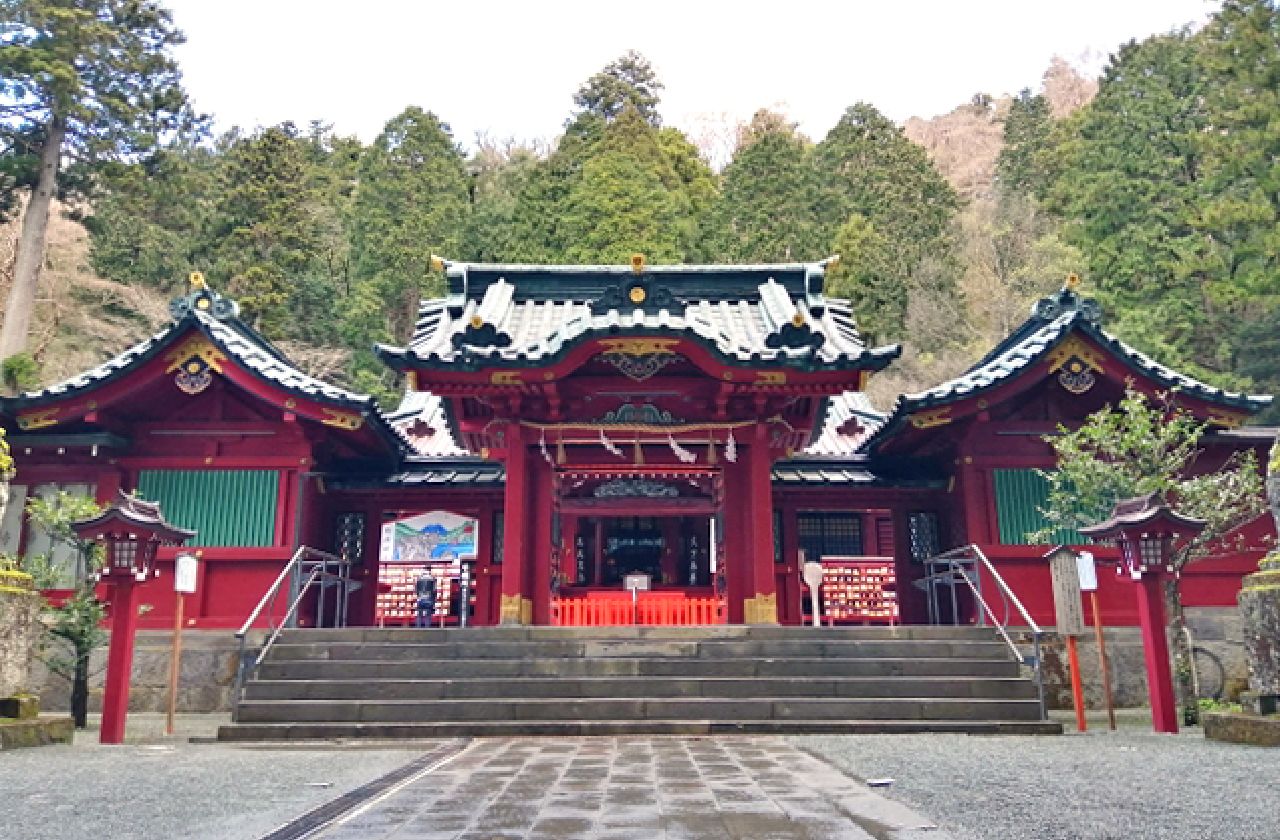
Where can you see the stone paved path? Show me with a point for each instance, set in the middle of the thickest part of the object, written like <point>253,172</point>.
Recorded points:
<point>646,788</point>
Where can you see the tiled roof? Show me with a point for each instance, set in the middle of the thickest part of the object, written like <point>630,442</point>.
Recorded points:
<point>221,325</point>
<point>421,418</point>
<point>850,418</point>
<point>420,471</point>
<point>530,315</point>
<point>427,472</point>
<point>1052,319</point>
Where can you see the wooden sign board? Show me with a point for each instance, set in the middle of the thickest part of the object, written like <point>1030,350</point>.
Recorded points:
<point>637,581</point>
<point>185,569</point>
<point>1088,572</point>
<point>1066,593</point>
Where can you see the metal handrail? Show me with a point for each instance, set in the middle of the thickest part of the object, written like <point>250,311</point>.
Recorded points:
<point>955,562</point>
<point>294,572</point>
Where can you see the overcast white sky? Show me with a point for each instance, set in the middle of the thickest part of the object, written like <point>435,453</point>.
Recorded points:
<point>510,68</point>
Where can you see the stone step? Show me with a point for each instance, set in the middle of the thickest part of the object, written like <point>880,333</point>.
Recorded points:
<point>696,633</point>
<point>407,683</point>
<point>300,732</point>
<point>623,648</point>
<point>629,709</point>
<point>807,667</point>
<point>647,687</point>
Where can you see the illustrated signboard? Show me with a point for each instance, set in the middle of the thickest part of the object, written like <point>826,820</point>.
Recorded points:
<point>429,537</point>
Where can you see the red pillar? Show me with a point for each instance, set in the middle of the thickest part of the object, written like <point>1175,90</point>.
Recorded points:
<point>792,611</point>
<point>115,696</point>
<point>538,555</point>
<point>760,538</point>
<point>1155,647</point>
<point>484,572</point>
<point>515,547</point>
<point>735,557</point>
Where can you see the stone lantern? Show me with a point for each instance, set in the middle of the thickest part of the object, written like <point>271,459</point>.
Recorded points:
<point>1259,601</point>
<point>131,530</point>
<point>1146,530</point>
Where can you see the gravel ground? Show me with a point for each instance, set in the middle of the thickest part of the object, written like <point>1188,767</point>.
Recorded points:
<point>201,792</point>
<point>1127,785</point>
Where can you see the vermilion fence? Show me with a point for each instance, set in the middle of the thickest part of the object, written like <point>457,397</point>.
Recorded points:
<point>655,608</point>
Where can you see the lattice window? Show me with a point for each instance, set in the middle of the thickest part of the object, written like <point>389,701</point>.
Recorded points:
<point>499,524</point>
<point>348,538</point>
<point>923,528</point>
<point>777,536</point>
<point>830,534</point>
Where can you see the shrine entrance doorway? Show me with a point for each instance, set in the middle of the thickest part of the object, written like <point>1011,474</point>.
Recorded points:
<point>673,552</point>
<point>655,531</point>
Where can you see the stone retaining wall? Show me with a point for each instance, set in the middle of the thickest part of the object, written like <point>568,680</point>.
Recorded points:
<point>209,662</point>
<point>1219,630</point>
<point>204,685</point>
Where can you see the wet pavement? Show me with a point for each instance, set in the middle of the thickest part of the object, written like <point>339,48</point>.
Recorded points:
<point>644,788</point>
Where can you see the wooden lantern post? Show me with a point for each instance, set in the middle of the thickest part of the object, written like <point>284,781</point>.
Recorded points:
<point>1146,529</point>
<point>131,530</point>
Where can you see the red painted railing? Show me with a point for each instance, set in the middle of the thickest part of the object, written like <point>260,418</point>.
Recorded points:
<point>654,608</point>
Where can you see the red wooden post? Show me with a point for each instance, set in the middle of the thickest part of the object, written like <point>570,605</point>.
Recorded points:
<point>1155,647</point>
<point>515,528</point>
<point>1145,528</point>
<point>760,552</point>
<point>733,553</point>
<point>537,560</point>
<point>115,695</point>
<point>1077,691</point>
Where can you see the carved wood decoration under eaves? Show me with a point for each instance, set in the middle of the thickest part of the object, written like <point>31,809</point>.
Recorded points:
<point>639,358</point>
<point>193,363</point>
<point>635,488</point>
<point>1076,364</point>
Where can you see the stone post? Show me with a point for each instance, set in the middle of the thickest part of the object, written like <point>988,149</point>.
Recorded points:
<point>1260,608</point>
<point>20,627</point>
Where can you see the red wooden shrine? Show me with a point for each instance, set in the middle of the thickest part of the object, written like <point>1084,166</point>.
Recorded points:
<point>703,426</point>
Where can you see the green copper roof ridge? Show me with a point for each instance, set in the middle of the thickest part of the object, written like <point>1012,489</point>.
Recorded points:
<point>879,356</point>
<point>626,268</point>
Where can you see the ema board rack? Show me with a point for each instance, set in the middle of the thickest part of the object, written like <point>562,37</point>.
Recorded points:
<point>397,602</point>
<point>859,590</point>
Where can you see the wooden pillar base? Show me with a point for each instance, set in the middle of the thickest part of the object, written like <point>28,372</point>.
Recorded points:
<point>516,609</point>
<point>762,609</point>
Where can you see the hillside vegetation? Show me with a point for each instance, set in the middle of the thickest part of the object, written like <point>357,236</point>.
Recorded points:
<point>1156,183</point>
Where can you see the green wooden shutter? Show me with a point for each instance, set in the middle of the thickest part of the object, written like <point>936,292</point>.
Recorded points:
<point>1019,496</point>
<point>225,507</point>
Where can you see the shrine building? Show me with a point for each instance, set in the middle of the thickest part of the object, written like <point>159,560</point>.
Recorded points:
<point>568,432</point>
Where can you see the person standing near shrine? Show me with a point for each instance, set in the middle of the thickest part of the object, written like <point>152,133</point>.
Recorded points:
<point>425,589</point>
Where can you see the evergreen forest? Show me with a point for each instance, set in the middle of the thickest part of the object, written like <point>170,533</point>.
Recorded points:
<point>1157,183</point>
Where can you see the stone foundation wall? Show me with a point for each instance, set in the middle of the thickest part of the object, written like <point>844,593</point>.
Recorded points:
<point>209,663</point>
<point>204,685</point>
<point>1219,630</point>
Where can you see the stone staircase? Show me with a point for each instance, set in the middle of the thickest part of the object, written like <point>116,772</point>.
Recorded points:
<point>407,683</point>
